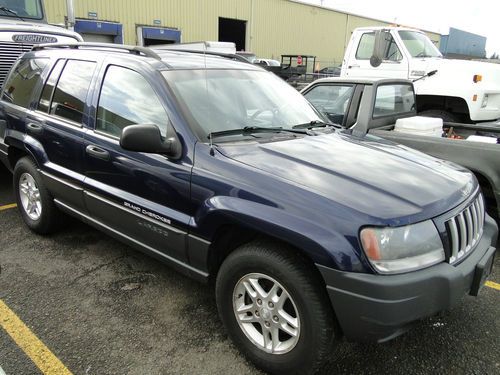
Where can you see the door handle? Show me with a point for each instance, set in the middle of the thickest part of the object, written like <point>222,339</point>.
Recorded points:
<point>34,128</point>
<point>97,152</point>
<point>353,66</point>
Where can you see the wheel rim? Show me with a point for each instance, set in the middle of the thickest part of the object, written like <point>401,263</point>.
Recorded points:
<point>266,313</point>
<point>30,196</point>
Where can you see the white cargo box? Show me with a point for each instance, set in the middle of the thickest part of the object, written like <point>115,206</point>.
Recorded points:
<point>420,125</point>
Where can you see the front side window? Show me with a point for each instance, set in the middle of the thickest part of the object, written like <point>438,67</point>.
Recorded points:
<point>71,91</point>
<point>24,78</point>
<point>367,43</point>
<point>22,8</point>
<point>127,99</point>
<point>219,100</point>
<point>394,99</point>
<point>331,100</point>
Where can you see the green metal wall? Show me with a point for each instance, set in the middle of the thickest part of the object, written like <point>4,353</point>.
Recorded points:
<point>274,27</point>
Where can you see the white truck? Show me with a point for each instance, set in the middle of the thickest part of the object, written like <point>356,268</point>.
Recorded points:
<point>23,24</point>
<point>454,90</point>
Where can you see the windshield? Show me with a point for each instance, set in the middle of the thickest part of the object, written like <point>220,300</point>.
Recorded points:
<point>31,9</point>
<point>418,44</point>
<point>219,100</point>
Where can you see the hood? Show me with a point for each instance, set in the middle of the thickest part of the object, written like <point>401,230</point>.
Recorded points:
<point>373,176</point>
<point>458,73</point>
<point>18,26</point>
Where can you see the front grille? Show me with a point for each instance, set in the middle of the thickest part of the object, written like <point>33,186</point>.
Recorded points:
<point>465,229</point>
<point>9,53</point>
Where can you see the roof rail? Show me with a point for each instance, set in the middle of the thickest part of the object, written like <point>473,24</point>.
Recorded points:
<point>231,56</point>
<point>136,50</point>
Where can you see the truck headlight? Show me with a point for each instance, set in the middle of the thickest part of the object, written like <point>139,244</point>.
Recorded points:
<point>402,249</point>
<point>484,104</point>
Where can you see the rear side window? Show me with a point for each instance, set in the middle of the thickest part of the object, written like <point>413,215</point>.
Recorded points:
<point>71,91</point>
<point>48,89</point>
<point>126,99</point>
<point>24,78</point>
<point>394,99</point>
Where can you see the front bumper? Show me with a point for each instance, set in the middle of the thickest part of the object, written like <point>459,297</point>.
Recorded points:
<point>373,307</point>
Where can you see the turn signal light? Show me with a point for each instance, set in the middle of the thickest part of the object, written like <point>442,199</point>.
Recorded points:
<point>370,244</point>
<point>477,78</point>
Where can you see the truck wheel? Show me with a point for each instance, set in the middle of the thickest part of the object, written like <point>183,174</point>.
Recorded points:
<point>33,199</point>
<point>446,116</point>
<point>274,309</point>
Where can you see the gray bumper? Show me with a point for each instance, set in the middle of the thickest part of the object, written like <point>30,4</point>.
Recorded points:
<point>378,308</point>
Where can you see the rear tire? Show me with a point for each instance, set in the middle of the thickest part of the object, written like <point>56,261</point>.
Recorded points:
<point>297,317</point>
<point>34,201</point>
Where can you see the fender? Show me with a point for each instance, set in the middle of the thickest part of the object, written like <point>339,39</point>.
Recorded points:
<point>21,141</point>
<point>321,245</point>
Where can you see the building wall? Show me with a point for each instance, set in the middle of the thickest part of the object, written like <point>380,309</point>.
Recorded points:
<point>462,44</point>
<point>274,27</point>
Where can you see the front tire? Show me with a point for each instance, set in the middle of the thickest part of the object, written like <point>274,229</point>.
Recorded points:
<point>444,115</point>
<point>34,201</point>
<point>275,309</point>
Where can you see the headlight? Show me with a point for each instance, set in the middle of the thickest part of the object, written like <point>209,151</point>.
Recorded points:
<point>402,249</point>
<point>484,104</point>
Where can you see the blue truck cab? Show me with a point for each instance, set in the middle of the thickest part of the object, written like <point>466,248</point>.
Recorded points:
<point>229,175</point>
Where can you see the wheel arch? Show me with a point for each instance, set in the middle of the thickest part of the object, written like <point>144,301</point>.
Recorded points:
<point>236,221</point>
<point>452,104</point>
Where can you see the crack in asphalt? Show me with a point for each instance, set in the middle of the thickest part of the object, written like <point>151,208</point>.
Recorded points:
<point>97,268</point>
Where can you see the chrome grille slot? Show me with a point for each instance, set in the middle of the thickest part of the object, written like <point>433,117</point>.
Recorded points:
<point>465,229</point>
<point>10,52</point>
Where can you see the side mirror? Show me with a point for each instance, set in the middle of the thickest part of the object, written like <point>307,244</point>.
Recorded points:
<point>147,138</point>
<point>379,48</point>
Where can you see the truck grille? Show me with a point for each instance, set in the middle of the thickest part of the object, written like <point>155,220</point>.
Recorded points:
<point>9,53</point>
<point>465,229</point>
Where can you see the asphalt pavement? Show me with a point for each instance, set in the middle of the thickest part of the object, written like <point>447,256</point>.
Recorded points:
<point>104,308</point>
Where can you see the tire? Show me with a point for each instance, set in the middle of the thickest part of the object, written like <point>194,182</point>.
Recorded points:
<point>308,306</point>
<point>446,116</point>
<point>30,191</point>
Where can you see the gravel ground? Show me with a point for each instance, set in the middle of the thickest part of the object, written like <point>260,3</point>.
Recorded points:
<point>103,308</point>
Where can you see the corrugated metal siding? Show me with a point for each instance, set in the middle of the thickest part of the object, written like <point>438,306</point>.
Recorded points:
<point>280,26</point>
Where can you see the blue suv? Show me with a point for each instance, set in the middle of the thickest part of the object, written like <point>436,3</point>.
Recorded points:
<point>228,174</point>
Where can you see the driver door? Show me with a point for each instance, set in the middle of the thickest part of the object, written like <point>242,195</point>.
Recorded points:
<point>144,197</point>
<point>394,63</point>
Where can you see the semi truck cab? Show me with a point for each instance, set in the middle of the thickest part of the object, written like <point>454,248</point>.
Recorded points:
<point>23,24</point>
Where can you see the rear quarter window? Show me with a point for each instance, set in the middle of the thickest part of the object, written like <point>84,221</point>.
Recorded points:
<point>24,78</point>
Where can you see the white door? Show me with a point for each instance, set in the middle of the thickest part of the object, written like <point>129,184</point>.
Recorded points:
<point>394,64</point>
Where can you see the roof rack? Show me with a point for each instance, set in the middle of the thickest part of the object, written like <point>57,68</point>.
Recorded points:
<point>231,56</point>
<point>136,50</point>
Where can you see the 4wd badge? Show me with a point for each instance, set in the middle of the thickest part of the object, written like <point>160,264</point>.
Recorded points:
<point>33,38</point>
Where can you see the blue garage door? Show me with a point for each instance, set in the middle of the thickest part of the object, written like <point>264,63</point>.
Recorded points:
<point>160,35</point>
<point>100,30</point>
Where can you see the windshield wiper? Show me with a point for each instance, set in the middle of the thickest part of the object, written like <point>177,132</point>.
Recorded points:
<point>247,130</point>
<point>7,10</point>
<point>315,124</point>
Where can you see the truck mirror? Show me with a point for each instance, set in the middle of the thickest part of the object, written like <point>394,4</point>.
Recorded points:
<point>379,47</point>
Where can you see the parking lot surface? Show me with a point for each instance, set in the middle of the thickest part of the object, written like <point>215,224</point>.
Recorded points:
<point>101,307</point>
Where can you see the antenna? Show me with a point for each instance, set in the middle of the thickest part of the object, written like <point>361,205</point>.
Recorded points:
<point>211,143</point>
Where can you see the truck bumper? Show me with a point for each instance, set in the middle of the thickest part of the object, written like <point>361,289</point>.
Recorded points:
<point>373,307</point>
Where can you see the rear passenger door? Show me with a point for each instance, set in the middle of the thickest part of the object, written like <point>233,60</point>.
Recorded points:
<point>143,197</point>
<point>57,124</point>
